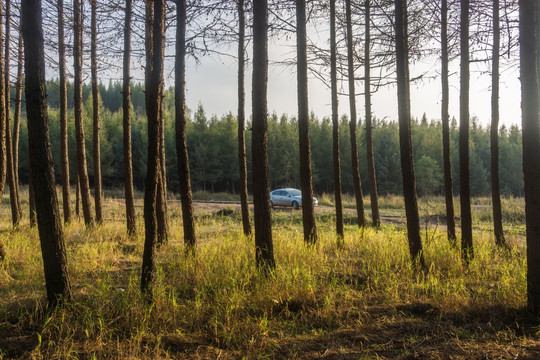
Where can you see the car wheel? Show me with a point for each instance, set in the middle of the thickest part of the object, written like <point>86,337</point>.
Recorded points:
<point>295,205</point>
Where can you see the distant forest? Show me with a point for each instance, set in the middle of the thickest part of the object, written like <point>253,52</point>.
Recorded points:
<point>212,143</point>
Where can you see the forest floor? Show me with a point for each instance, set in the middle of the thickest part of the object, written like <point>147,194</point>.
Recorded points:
<point>359,299</point>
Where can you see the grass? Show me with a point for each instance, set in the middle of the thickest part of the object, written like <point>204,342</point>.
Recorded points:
<point>360,299</point>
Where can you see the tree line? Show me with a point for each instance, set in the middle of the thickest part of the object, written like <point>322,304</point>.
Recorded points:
<point>395,34</point>
<point>212,143</point>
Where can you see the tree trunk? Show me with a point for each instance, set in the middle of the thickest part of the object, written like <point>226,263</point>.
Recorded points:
<point>376,218</point>
<point>3,150</point>
<point>308,211</point>
<point>494,131</point>
<point>77,194</point>
<point>13,196</point>
<point>17,115</point>
<point>180,118</point>
<point>448,187</point>
<point>126,109</point>
<point>161,204</point>
<point>64,158</point>
<point>529,12</point>
<point>155,44</point>
<point>242,120</point>
<point>335,123</point>
<point>405,141</point>
<point>95,113</point>
<point>48,216</point>
<point>464,184</point>
<point>79,127</point>
<point>31,198</point>
<point>264,250</point>
<point>352,123</point>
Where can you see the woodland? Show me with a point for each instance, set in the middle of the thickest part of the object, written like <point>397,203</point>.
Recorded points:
<point>425,243</point>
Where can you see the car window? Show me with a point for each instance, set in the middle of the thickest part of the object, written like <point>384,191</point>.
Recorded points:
<point>295,192</point>
<point>282,193</point>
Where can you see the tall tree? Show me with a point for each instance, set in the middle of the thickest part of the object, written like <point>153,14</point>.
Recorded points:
<point>264,249</point>
<point>448,187</point>
<point>529,29</point>
<point>308,212</point>
<point>376,218</point>
<point>49,223</point>
<point>79,127</point>
<point>64,158</point>
<point>154,87</point>
<point>13,195</point>
<point>161,204</point>
<point>405,141</point>
<point>353,122</point>
<point>3,150</point>
<point>494,130</point>
<point>180,115</point>
<point>95,111</point>
<point>464,173</point>
<point>242,120</point>
<point>335,122</point>
<point>126,109</point>
<point>17,115</point>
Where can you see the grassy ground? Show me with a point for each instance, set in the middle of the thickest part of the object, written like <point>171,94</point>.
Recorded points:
<point>359,300</point>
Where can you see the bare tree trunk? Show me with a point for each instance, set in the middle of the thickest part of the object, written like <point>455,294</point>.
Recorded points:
<point>126,107</point>
<point>405,141</point>
<point>335,123</point>
<point>77,194</point>
<point>17,117</point>
<point>49,223</point>
<point>264,249</point>
<point>242,120</point>
<point>31,198</point>
<point>448,187</point>
<point>180,115</point>
<point>64,158</point>
<point>3,150</point>
<point>95,114</point>
<point>161,204</point>
<point>155,44</point>
<point>467,252</point>
<point>494,131</point>
<point>13,196</point>
<point>79,127</point>
<point>529,29</point>
<point>308,211</point>
<point>352,124</point>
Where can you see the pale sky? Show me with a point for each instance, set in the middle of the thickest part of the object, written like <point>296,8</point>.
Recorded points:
<point>213,83</point>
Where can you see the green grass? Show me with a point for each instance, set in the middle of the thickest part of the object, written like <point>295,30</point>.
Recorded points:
<point>360,299</point>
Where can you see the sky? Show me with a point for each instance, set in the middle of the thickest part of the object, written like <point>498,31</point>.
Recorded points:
<point>213,82</point>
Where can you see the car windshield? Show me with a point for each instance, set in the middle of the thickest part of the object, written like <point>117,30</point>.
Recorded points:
<point>295,192</point>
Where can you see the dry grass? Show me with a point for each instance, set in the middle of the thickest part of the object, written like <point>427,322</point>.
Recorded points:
<point>358,300</point>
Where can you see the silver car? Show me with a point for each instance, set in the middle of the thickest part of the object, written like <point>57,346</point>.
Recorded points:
<point>288,197</point>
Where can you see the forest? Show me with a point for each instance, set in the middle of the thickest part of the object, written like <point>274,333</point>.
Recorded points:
<point>140,228</point>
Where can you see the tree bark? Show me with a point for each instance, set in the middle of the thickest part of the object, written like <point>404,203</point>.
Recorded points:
<point>13,195</point>
<point>180,123</point>
<point>155,45</point>
<point>161,202</point>
<point>64,153</point>
<point>529,29</point>
<point>48,216</point>
<point>246,224</point>
<point>95,113</point>
<point>306,183</point>
<point>17,115</point>
<point>335,123</point>
<point>3,149</point>
<point>448,186</point>
<point>126,109</point>
<point>374,197</point>
<point>31,198</point>
<point>352,124</point>
<point>467,252</point>
<point>405,141</point>
<point>494,131</point>
<point>79,127</point>
<point>264,250</point>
